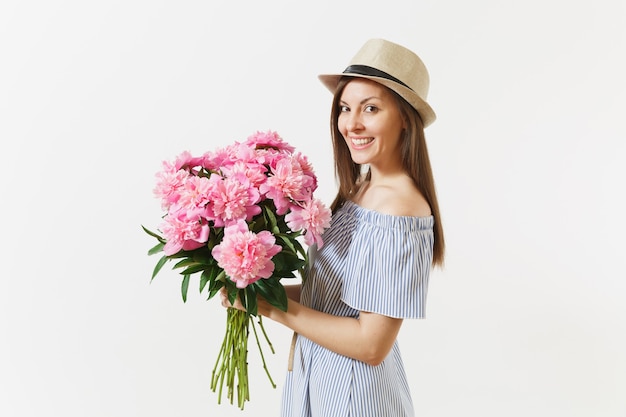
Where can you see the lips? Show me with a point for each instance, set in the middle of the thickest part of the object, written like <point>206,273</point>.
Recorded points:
<point>361,141</point>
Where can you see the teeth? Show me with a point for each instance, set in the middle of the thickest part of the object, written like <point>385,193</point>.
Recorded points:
<point>361,142</point>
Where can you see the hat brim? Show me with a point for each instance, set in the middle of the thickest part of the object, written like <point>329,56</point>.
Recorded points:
<point>331,81</point>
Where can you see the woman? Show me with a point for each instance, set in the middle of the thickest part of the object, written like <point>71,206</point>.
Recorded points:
<point>385,236</point>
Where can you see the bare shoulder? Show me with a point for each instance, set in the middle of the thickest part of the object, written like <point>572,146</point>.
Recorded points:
<point>405,204</point>
<point>401,198</point>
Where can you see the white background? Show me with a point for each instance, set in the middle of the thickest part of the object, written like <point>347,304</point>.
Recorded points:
<point>527,318</point>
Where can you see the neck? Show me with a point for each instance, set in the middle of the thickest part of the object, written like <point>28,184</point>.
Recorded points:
<point>386,174</point>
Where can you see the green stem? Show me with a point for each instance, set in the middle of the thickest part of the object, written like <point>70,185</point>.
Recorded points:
<point>256,336</point>
<point>267,339</point>
<point>232,357</point>
<point>219,376</point>
<point>231,365</point>
<point>243,364</point>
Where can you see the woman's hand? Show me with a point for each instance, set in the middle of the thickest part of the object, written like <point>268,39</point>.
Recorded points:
<point>226,302</point>
<point>263,307</point>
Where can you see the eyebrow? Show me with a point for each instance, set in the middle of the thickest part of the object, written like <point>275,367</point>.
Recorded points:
<point>364,100</point>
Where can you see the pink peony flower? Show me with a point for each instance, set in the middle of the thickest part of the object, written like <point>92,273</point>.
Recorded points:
<point>307,169</point>
<point>210,161</point>
<point>194,195</point>
<point>268,139</point>
<point>244,152</point>
<point>313,217</point>
<point>252,171</point>
<point>232,199</point>
<point>213,161</point>
<point>287,183</point>
<point>186,160</point>
<point>245,256</point>
<point>181,232</point>
<point>169,182</point>
<point>269,156</point>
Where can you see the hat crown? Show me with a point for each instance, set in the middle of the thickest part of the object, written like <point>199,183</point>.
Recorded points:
<point>397,61</point>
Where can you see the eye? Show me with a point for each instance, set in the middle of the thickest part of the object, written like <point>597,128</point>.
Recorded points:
<point>344,109</point>
<point>370,108</point>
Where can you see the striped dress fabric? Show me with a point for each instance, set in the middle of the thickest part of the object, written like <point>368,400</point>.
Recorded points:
<point>369,262</point>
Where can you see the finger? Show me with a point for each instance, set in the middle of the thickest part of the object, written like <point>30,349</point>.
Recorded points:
<point>224,298</point>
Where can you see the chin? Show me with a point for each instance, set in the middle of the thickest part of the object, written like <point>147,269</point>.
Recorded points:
<point>358,159</point>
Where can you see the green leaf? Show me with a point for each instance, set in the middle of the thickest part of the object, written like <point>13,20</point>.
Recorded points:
<point>213,291</point>
<point>215,237</point>
<point>205,277</point>
<point>301,250</point>
<point>153,234</point>
<point>273,224</point>
<point>184,287</point>
<point>156,248</point>
<point>288,241</point>
<point>158,266</point>
<point>231,288</point>
<point>273,292</point>
<point>183,263</point>
<point>216,284</point>
<point>279,261</point>
<point>257,224</point>
<point>250,301</point>
<point>297,263</point>
<point>203,256</point>
<point>179,254</point>
<point>283,274</point>
<point>194,269</point>
<point>285,262</point>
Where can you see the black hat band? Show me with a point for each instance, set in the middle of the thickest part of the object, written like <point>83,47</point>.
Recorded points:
<point>372,72</point>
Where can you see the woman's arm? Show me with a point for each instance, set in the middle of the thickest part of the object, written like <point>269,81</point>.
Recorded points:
<point>293,291</point>
<point>368,339</point>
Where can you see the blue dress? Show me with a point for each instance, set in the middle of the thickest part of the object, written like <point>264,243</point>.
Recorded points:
<point>369,262</point>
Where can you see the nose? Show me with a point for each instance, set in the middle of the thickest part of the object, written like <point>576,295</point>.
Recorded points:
<point>353,122</point>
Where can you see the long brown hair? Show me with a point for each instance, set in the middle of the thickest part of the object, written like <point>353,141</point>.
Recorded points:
<point>415,162</point>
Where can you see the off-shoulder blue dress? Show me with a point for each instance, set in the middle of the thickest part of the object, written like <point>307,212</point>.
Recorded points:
<point>370,262</point>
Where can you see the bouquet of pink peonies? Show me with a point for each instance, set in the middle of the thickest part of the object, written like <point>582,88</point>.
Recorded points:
<point>235,216</point>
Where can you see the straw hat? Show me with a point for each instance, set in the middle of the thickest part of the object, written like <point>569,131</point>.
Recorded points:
<point>393,66</point>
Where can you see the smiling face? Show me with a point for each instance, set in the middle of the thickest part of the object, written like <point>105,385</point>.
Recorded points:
<point>371,123</point>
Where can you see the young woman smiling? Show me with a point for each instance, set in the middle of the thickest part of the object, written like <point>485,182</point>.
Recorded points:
<point>385,237</point>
